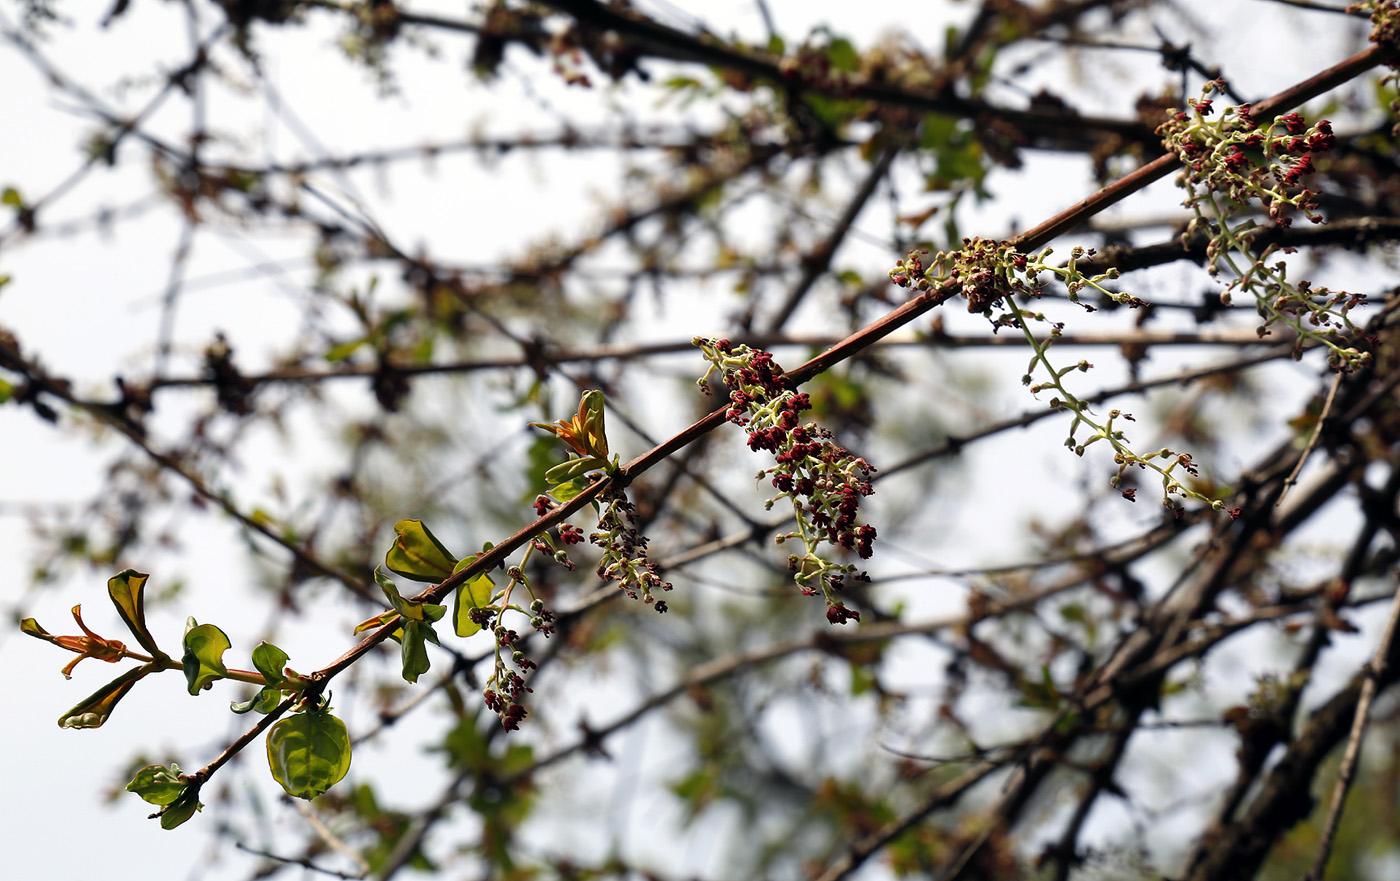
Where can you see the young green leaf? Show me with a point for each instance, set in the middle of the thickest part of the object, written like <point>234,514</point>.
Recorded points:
<point>417,627</point>
<point>180,810</point>
<point>205,645</point>
<point>94,710</point>
<point>158,784</point>
<point>407,609</point>
<point>308,753</point>
<point>265,701</point>
<point>412,641</point>
<point>585,431</point>
<point>565,492</point>
<point>170,789</point>
<point>573,469</point>
<point>417,554</point>
<point>269,660</point>
<point>472,595</point>
<point>125,588</point>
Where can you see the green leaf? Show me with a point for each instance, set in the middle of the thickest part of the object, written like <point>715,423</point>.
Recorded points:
<point>572,469</point>
<point>565,492</point>
<point>308,753</point>
<point>181,809</point>
<point>6,391</point>
<point>591,408</point>
<point>413,648</point>
<point>125,588</point>
<point>205,645</point>
<point>417,619</point>
<point>265,701</point>
<point>842,55</point>
<point>417,554</point>
<point>94,710</point>
<point>177,796</point>
<point>12,198</point>
<point>158,784</point>
<point>341,351</point>
<point>269,660</point>
<point>409,610</point>
<point>472,595</point>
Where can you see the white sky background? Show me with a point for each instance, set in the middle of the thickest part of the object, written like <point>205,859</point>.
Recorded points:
<point>82,303</point>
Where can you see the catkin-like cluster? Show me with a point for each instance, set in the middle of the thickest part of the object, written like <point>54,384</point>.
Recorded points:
<point>824,481</point>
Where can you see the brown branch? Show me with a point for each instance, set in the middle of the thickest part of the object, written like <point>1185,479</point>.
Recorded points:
<point>660,41</point>
<point>847,348</point>
<point>1284,798</point>
<point>819,261</point>
<point>1374,673</point>
<point>767,341</point>
<point>39,379</point>
<point>1264,111</point>
<point>942,796</point>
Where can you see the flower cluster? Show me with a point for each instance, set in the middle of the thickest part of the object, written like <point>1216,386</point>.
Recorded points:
<point>625,550</point>
<point>1235,157</point>
<point>1234,161</point>
<point>993,276</point>
<point>986,271</point>
<point>824,481</point>
<point>1385,19</point>
<point>569,534</point>
<point>506,689</point>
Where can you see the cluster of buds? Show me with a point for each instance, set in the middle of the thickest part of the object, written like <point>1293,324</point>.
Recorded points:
<point>987,272</point>
<point>625,551</point>
<point>506,697</point>
<point>1235,157</point>
<point>568,533</point>
<point>973,270</point>
<point>506,689</point>
<point>1233,160</point>
<point>994,276</point>
<point>823,480</point>
<point>1385,20</point>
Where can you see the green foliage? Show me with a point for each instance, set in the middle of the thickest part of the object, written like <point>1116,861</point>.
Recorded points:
<point>203,662</point>
<point>474,594</point>
<point>417,554</point>
<point>308,752</point>
<point>94,710</point>
<point>126,590</point>
<point>176,795</point>
<point>269,660</point>
<point>415,628</point>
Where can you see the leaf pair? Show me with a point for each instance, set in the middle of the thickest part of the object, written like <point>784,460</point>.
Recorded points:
<point>176,794</point>
<point>419,556</point>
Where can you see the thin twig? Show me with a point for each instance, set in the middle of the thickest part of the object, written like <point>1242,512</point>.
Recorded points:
<point>1312,441</point>
<point>292,861</point>
<point>330,838</point>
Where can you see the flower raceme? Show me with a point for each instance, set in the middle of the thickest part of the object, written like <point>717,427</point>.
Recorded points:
<point>1231,161</point>
<point>823,480</point>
